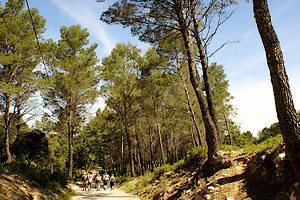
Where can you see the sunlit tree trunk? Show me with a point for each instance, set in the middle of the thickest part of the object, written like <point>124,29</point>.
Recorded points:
<point>286,113</point>
<point>161,143</point>
<point>7,128</point>
<point>70,140</point>
<point>122,156</point>
<point>228,129</point>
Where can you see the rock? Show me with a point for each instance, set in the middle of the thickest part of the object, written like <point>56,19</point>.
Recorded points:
<point>296,192</point>
<point>215,183</point>
<point>167,174</point>
<point>207,196</point>
<point>281,156</point>
<point>210,188</point>
<point>226,163</point>
<point>187,191</point>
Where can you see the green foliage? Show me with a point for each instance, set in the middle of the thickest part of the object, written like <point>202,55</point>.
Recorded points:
<point>271,142</point>
<point>31,146</point>
<point>58,179</point>
<point>196,156</point>
<point>134,185</point>
<point>267,133</point>
<point>159,171</point>
<point>18,59</point>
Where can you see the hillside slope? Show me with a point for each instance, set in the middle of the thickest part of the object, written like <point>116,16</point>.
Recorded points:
<point>260,176</point>
<point>14,187</point>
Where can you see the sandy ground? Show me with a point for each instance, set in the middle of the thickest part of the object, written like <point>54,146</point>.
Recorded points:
<point>102,194</point>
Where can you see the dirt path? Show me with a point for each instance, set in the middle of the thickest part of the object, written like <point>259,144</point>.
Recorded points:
<point>102,194</point>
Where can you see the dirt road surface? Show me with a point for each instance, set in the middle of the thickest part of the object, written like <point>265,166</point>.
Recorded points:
<point>108,194</point>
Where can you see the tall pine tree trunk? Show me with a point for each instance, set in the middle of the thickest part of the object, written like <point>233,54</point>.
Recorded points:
<point>210,127</point>
<point>122,156</point>
<point>204,64</point>
<point>286,113</point>
<point>139,150</point>
<point>161,144</point>
<point>70,160</point>
<point>192,113</point>
<point>7,128</point>
<point>151,151</point>
<point>130,153</point>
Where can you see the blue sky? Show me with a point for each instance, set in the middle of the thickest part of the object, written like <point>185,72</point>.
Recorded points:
<point>244,61</point>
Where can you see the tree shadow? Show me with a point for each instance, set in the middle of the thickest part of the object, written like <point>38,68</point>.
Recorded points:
<point>266,180</point>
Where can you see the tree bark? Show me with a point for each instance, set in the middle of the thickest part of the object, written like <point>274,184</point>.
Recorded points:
<point>161,144</point>
<point>286,113</point>
<point>204,64</point>
<point>192,113</point>
<point>139,150</point>
<point>7,128</point>
<point>122,156</point>
<point>228,129</point>
<point>151,151</point>
<point>132,173</point>
<point>210,127</point>
<point>70,163</point>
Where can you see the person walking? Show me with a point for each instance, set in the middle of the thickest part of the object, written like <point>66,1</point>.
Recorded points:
<point>105,180</point>
<point>90,181</point>
<point>98,181</point>
<point>84,179</point>
<point>112,181</point>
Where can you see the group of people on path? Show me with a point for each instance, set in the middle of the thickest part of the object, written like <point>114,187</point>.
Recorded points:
<point>103,181</point>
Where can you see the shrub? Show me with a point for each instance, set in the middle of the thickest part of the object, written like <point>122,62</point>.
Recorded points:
<point>195,158</point>
<point>158,171</point>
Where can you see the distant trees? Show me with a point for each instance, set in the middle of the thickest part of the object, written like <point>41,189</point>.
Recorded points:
<point>147,121</point>
<point>288,121</point>
<point>120,75</point>
<point>268,132</point>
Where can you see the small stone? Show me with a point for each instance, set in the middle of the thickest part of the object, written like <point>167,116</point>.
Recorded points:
<point>211,188</point>
<point>207,196</point>
<point>281,156</point>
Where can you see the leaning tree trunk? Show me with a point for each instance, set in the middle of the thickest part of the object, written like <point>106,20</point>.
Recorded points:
<point>286,113</point>
<point>210,127</point>
<point>204,64</point>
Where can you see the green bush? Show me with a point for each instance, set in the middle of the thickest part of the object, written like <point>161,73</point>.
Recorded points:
<point>272,142</point>
<point>159,171</point>
<point>60,177</point>
<point>196,157</point>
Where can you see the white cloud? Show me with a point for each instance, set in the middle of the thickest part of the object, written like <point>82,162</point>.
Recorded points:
<point>255,103</point>
<point>87,13</point>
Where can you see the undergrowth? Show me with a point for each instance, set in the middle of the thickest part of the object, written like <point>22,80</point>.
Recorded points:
<point>194,159</point>
<point>52,183</point>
